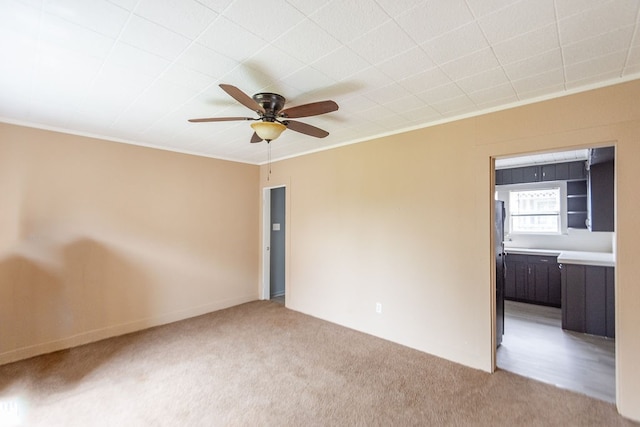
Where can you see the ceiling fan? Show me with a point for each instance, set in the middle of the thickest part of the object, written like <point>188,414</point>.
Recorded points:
<point>273,119</point>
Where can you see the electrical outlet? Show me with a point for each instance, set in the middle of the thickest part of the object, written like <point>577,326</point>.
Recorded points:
<point>379,307</point>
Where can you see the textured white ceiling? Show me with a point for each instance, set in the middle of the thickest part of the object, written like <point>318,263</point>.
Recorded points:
<point>136,70</point>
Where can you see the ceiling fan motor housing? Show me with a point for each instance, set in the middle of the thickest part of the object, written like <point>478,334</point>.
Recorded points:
<point>271,102</point>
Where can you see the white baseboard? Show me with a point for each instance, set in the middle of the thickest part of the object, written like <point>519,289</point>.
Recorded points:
<point>116,330</point>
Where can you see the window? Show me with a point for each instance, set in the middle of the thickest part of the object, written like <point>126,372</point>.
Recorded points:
<point>535,211</point>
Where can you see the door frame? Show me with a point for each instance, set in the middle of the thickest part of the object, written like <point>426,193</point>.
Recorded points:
<point>265,285</point>
<point>492,270</point>
<point>492,188</point>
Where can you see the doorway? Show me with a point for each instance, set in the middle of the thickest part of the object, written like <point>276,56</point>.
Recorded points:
<point>538,341</point>
<point>274,247</point>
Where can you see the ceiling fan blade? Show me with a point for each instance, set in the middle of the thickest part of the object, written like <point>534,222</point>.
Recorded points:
<point>306,129</point>
<point>242,98</point>
<point>312,109</point>
<point>219,119</point>
<point>255,138</point>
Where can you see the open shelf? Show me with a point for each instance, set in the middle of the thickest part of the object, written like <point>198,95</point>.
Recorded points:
<point>577,204</point>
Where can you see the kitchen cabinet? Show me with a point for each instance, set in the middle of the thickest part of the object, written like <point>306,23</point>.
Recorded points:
<point>533,279</point>
<point>601,155</point>
<point>549,172</point>
<point>517,176</point>
<point>530,174</point>
<point>516,276</point>
<point>577,170</point>
<point>552,172</point>
<point>555,172</point>
<point>600,200</point>
<point>520,175</point>
<point>563,171</point>
<point>577,204</point>
<point>588,299</point>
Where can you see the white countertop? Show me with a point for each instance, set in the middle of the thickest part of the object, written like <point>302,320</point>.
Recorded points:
<point>603,259</point>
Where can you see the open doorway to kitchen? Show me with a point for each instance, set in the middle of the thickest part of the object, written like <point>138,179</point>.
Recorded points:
<point>559,268</point>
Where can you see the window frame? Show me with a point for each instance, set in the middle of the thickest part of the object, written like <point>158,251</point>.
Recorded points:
<point>503,193</point>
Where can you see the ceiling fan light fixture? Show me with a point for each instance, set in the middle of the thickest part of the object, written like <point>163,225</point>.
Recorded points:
<point>268,130</point>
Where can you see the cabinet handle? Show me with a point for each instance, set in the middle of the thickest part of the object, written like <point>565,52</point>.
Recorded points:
<point>560,266</point>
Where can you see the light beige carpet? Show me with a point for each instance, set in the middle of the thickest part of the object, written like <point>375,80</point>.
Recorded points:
<point>262,364</point>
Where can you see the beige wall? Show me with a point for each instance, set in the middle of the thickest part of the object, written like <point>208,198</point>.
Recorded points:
<point>405,220</point>
<point>99,238</point>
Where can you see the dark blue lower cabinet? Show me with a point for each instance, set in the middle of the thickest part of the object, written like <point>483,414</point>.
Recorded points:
<point>588,299</point>
<point>533,279</point>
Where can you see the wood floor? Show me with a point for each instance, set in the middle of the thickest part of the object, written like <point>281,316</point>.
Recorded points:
<point>535,346</point>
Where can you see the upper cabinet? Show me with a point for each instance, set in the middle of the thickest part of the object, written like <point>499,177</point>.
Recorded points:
<point>601,155</point>
<point>577,198</point>
<point>601,187</point>
<point>552,172</point>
